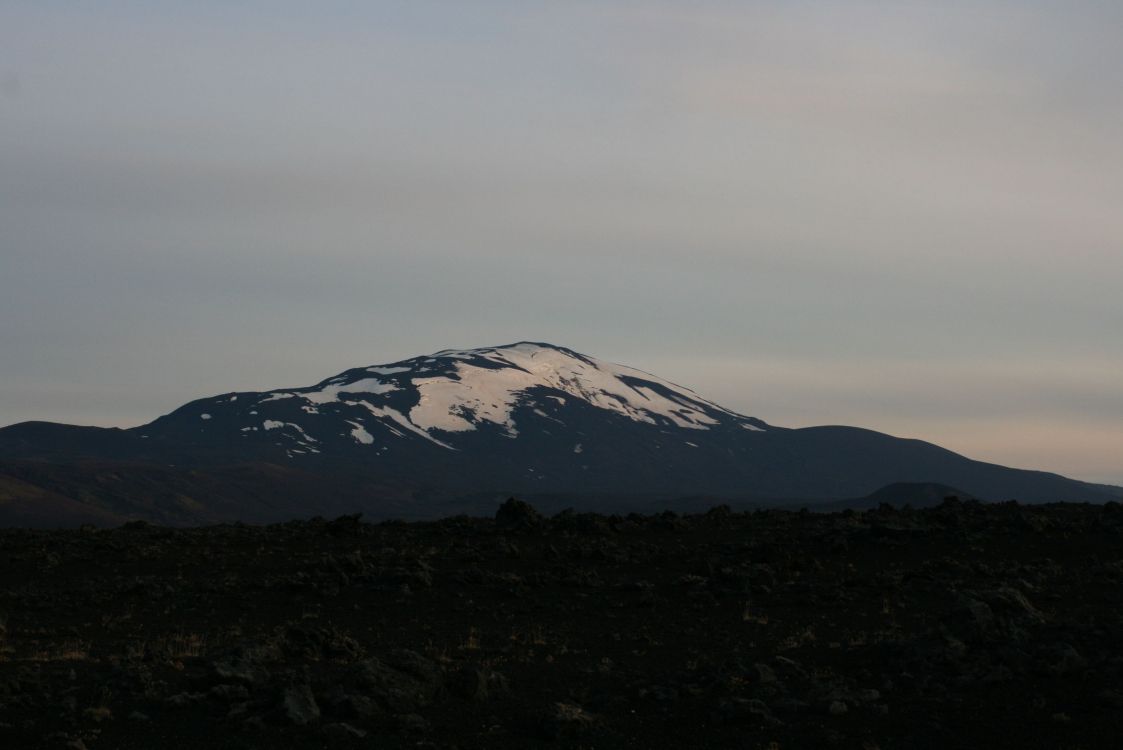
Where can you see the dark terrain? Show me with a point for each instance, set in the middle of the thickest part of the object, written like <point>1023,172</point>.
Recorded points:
<point>442,435</point>
<point>964,625</point>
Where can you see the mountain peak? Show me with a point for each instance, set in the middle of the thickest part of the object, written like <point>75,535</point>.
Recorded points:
<point>518,345</point>
<point>526,390</point>
<point>459,390</point>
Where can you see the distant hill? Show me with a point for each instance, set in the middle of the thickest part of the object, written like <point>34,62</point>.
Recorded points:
<point>899,494</point>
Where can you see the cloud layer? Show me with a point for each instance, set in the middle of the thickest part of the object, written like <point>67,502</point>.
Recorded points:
<point>904,218</point>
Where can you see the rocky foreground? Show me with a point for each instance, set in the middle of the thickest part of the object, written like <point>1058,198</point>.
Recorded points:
<point>961,626</point>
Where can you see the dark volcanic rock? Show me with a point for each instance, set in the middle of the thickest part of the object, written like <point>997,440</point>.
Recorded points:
<point>300,705</point>
<point>566,720</point>
<point>964,625</point>
<point>747,711</point>
<point>470,683</point>
<point>516,514</point>
<point>402,682</point>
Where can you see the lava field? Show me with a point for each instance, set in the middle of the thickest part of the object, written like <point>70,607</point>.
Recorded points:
<point>961,626</point>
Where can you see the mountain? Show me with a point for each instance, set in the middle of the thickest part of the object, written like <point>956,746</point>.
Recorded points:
<point>439,433</point>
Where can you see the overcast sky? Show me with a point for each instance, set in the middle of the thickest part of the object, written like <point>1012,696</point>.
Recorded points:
<point>902,216</point>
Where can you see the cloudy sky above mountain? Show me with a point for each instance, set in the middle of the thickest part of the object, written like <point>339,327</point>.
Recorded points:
<point>901,216</point>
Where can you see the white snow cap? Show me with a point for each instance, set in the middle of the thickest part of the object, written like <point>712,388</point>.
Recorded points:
<point>478,393</point>
<point>460,390</point>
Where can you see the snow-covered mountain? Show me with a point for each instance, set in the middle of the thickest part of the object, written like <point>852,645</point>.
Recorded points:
<point>525,418</point>
<point>522,391</point>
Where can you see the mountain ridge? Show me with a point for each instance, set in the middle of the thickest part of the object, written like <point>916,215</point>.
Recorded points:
<point>526,418</point>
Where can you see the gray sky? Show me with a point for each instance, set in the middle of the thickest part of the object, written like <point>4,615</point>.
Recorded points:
<point>904,216</point>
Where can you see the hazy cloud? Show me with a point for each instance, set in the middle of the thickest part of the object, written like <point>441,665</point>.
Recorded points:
<point>903,217</point>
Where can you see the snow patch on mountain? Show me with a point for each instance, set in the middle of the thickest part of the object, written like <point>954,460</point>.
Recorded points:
<point>303,434</point>
<point>400,419</point>
<point>360,433</point>
<point>330,393</point>
<point>474,394</point>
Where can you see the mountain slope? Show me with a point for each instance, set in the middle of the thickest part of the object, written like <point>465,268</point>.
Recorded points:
<point>526,418</point>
